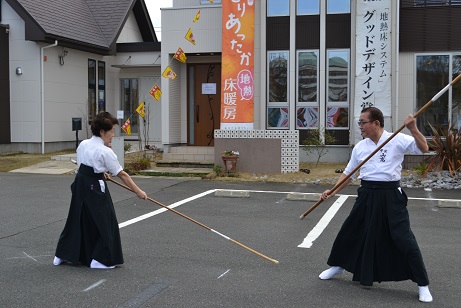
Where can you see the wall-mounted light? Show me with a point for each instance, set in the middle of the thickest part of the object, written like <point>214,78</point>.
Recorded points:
<point>18,71</point>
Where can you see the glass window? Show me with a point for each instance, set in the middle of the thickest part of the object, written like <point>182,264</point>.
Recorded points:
<point>278,76</point>
<point>456,94</point>
<point>308,63</point>
<point>337,117</point>
<point>130,101</point>
<point>278,7</point>
<point>101,86</point>
<point>338,76</point>
<point>307,117</point>
<point>337,111</point>
<point>338,6</point>
<point>96,88</point>
<point>431,72</point>
<point>277,118</point>
<point>92,109</point>
<point>308,7</point>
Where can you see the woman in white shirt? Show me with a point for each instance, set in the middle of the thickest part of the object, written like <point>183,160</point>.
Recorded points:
<point>91,234</point>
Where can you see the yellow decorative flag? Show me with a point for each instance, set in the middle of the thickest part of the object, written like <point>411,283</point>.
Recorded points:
<point>180,55</point>
<point>210,1</point>
<point>141,110</point>
<point>189,36</point>
<point>155,92</point>
<point>169,73</point>
<point>127,127</point>
<point>197,16</point>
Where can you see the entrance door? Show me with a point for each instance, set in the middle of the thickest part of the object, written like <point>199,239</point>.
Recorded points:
<point>5,130</point>
<point>204,103</point>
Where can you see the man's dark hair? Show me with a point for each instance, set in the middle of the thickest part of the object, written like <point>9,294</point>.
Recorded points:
<point>105,121</point>
<point>374,114</point>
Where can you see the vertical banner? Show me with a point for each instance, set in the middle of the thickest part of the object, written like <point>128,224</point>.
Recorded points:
<point>373,59</point>
<point>237,76</point>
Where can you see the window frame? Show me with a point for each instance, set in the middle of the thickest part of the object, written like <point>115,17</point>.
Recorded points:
<point>132,112</point>
<point>451,71</point>
<point>339,104</point>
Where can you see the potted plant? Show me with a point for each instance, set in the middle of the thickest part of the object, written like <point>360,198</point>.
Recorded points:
<point>230,158</point>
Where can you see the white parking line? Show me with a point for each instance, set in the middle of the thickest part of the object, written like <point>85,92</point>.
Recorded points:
<point>323,222</point>
<point>224,273</point>
<point>94,285</point>
<point>148,215</point>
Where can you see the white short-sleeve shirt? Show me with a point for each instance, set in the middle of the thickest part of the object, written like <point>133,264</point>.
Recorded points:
<point>386,164</point>
<point>93,153</point>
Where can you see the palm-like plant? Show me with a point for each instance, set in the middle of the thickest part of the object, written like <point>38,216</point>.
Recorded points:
<point>447,147</point>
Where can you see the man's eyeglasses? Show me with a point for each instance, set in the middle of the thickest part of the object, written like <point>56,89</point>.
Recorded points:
<point>361,123</point>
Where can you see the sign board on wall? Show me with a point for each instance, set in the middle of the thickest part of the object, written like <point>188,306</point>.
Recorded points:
<point>237,76</point>
<point>208,88</point>
<point>373,58</point>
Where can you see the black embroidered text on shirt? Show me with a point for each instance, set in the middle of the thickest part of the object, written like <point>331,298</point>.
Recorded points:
<point>382,157</point>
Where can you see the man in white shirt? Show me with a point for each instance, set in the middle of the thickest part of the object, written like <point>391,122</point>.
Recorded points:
<point>375,242</point>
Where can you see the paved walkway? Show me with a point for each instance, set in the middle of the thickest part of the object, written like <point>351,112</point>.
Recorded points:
<point>62,164</point>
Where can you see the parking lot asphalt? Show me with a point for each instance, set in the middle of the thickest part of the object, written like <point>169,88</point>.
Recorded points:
<point>173,262</point>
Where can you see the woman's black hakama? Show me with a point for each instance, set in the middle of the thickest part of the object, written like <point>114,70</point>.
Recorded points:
<point>91,231</point>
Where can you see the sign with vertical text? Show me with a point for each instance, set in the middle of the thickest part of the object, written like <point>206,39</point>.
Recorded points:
<point>237,77</point>
<point>373,57</point>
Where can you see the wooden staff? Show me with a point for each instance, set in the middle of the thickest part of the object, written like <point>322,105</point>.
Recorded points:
<point>199,223</point>
<point>436,97</point>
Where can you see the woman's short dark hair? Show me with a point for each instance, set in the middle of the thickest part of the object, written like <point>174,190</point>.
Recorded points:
<point>105,121</point>
<point>374,114</point>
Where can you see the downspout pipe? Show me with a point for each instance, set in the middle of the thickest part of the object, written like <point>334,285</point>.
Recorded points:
<point>42,93</point>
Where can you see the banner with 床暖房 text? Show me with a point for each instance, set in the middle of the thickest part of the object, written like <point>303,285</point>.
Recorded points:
<point>237,76</point>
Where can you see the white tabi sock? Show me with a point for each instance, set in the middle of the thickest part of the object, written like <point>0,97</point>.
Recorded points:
<point>424,294</point>
<point>332,271</point>
<point>96,264</point>
<point>57,261</point>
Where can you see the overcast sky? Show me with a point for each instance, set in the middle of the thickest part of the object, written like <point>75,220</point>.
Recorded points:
<point>154,11</point>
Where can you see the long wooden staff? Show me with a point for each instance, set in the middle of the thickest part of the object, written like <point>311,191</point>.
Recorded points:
<point>436,97</point>
<point>200,224</point>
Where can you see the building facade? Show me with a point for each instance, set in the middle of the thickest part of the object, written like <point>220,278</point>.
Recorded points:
<point>317,63</point>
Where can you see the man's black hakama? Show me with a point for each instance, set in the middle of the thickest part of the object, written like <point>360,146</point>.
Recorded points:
<point>375,242</point>
<point>91,231</point>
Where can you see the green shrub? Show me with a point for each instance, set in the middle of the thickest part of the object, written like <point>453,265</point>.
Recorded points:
<point>218,170</point>
<point>422,167</point>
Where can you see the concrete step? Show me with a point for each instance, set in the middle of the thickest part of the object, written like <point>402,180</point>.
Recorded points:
<point>184,164</point>
<point>192,150</point>
<point>65,157</point>
<point>188,157</point>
